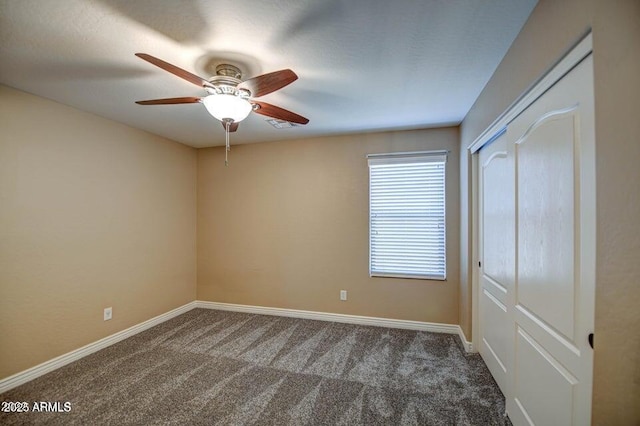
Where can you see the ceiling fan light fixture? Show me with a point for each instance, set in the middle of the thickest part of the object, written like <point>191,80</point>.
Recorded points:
<point>227,107</point>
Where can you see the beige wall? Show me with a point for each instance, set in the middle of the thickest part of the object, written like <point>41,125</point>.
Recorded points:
<point>552,28</point>
<point>92,214</point>
<point>286,225</point>
<point>616,43</point>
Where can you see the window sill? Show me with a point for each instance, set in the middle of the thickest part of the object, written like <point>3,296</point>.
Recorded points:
<point>409,276</point>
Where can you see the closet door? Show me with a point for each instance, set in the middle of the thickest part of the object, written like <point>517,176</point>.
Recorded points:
<point>497,254</point>
<point>553,307</point>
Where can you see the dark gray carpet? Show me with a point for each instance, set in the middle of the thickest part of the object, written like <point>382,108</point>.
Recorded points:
<point>210,367</point>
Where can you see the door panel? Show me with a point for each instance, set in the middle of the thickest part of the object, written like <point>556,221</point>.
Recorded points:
<point>545,385</point>
<point>498,215</point>
<point>495,289</point>
<point>555,244</point>
<point>546,242</point>
<point>495,338</point>
<point>498,253</point>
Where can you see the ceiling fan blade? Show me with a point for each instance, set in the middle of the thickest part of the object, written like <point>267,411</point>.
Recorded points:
<point>191,78</point>
<point>267,83</point>
<point>170,101</point>
<point>232,127</point>
<point>280,113</point>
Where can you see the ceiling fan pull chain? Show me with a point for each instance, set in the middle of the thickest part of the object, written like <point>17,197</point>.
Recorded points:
<point>226,150</point>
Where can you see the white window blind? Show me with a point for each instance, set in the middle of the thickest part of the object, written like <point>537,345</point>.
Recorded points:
<point>407,215</point>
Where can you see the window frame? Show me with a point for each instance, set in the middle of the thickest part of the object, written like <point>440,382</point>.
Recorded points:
<point>410,158</point>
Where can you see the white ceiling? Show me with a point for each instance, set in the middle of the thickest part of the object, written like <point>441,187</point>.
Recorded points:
<point>362,65</point>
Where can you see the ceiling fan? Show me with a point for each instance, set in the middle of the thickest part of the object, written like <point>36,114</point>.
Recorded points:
<point>230,99</point>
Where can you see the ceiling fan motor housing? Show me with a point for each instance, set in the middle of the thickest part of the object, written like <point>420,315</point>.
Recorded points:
<point>226,82</point>
<point>228,70</point>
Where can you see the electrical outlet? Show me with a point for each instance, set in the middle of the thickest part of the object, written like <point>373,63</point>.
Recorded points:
<point>343,294</point>
<point>108,313</point>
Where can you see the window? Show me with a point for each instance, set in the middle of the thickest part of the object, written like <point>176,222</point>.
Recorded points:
<point>407,215</point>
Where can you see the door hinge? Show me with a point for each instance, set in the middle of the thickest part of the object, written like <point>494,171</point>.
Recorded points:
<point>591,340</point>
<point>479,264</point>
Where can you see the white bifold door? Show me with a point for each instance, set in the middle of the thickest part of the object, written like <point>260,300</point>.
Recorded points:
<point>536,203</point>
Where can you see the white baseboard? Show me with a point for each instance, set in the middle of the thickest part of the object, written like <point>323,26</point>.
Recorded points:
<point>468,346</point>
<point>62,360</point>
<point>343,318</point>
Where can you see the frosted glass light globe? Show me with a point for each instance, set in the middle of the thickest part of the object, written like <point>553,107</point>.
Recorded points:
<point>227,107</point>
